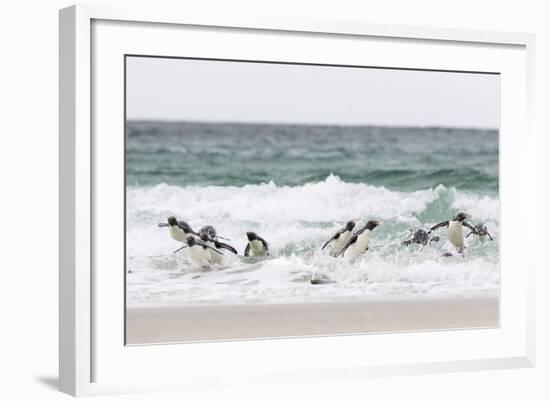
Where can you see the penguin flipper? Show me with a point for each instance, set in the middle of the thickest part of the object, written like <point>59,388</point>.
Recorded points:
<point>179,249</point>
<point>226,246</point>
<point>334,237</point>
<point>439,225</point>
<point>214,249</point>
<point>205,245</point>
<point>186,228</point>
<point>491,238</point>
<point>326,243</point>
<point>472,229</point>
<point>247,250</point>
<point>264,242</point>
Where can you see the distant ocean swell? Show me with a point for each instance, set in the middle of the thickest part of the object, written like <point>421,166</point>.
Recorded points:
<point>394,178</point>
<point>405,159</point>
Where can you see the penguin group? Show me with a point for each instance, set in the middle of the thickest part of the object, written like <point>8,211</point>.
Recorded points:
<point>348,243</point>
<point>351,244</point>
<point>206,247</point>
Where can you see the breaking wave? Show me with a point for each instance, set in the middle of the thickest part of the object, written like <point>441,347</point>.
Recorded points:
<point>296,221</point>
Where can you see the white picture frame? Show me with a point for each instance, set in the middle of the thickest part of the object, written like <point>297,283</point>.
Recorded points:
<point>93,359</point>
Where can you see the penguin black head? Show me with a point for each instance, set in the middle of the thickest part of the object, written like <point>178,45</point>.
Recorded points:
<point>350,225</point>
<point>420,237</point>
<point>172,221</point>
<point>208,230</point>
<point>371,224</point>
<point>205,237</point>
<point>461,216</point>
<point>251,236</point>
<point>481,229</point>
<point>190,241</point>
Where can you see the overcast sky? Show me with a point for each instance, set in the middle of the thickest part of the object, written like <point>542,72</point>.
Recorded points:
<point>218,91</point>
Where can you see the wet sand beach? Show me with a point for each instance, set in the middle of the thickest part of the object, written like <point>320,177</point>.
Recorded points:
<point>147,325</point>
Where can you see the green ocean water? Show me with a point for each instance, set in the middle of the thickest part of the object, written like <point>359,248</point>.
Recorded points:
<point>403,159</point>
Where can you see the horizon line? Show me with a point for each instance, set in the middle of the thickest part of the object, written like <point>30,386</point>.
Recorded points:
<point>306,123</point>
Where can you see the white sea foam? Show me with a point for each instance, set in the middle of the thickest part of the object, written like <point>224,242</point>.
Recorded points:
<point>296,221</point>
<point>482,207</point>
<point>328,200</point>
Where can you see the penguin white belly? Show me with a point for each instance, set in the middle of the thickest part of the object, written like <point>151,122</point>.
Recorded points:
<point>358,247</point>
<point>456,235</point>
<point>177,234</point>
<point>213,256</point>
<point>257,248</point>
<point>199,255</point>
<point>339,243</point>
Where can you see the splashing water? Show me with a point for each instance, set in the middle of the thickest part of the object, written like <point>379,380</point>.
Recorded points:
<point>296,221</point>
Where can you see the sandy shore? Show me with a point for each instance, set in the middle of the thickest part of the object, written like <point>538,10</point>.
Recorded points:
<point>199,323</point>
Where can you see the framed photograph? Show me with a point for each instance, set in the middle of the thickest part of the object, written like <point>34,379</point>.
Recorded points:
<point>347,195</point>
